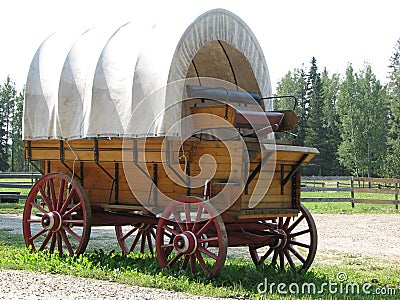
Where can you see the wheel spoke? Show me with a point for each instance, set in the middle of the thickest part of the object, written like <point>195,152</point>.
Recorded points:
<point>289,259</point>
<point>300,244</point>
<point>128,234</point>
<point>59,243</point>
<point>266,255</point>
<point>178,220</point>
<point>46,240</point>
<point>294,225</point>
<point>193,263</point>
<point>187,215</point>
<point>66,241</point>
<point>60,194</point>
<point>185,262</point>
<point>204,228</point>
<point>41,232</point>
<point>286,224</point>
<point>281,260</point>
<point>201,261</point>
<point>150,243</point>
<point>34,221</point>
<point>34,204</point>
<point>135,241</point>
<point>206,240</point>
<point>143,243</point>
<point>301,258</point>
<point>171,230</point>
<point>300,232</point>
<point>44,197</point>
<point>280,222</point>
<point>274,258</point>
<point>67,201</point>
<point>73,222</point>
<point>53,242</point>
<point>198,218</point>
<point>165,246</point>
<point>173,260</point>
<point>72,210</point>
<point>72,233</point>
<point>53,200</point>
<point>207,252</point>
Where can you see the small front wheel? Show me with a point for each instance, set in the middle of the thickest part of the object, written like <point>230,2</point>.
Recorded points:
<point>191,232</point>
<point>298,246</point>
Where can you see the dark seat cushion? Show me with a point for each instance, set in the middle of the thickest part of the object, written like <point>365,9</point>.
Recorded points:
<point>257,120</point>
<point>222,94</point>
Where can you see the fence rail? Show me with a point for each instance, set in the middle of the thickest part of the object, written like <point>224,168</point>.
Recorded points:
<point>354,186</point>
<point>25,180</point>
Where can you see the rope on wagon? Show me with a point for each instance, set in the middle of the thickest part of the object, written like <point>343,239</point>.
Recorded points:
<point>73,164</point>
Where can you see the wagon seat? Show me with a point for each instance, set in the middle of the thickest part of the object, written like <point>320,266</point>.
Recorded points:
<point>241,118</point>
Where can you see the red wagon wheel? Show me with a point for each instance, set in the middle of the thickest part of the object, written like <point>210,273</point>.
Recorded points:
<point>62,220</point>
<point>199,236</point>
<point>136,238</point>
<point>297,247</point>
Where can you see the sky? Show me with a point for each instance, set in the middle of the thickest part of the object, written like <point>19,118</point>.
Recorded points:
<point>290,32</point>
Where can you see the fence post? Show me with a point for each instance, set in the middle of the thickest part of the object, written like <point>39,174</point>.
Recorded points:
<point>352,191</point>
<point>396,196</point>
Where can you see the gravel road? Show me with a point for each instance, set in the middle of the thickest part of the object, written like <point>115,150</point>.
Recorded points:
<point>339,237</point>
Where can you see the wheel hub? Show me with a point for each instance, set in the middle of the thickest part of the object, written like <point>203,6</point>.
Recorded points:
<point>52,221</point>
<point>185,243</point>
<point>280,243</point>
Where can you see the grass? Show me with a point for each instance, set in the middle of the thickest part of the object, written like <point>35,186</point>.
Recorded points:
<point>239,278</point>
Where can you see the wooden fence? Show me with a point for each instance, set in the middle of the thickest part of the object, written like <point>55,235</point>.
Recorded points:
<point>356,187</point>
<point>352,186</point>
<point>15,180</point>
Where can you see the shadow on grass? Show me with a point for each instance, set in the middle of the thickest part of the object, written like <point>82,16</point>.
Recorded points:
<point>237,275</point>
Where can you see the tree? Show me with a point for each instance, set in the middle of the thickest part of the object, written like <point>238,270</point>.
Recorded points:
<point>294,84</point>
<point>314,131</point>
<point>361,107</point>
<point>330,85</point>
<point>7,96</point>
<point>392,162</point>
<point>17,146</point>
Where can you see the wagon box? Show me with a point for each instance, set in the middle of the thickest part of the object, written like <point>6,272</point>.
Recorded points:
<point>174,146</point>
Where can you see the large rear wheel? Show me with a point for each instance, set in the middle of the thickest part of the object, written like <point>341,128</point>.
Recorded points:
<point>61,219</point>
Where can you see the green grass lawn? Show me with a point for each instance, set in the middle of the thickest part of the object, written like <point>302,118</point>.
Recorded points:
<point>239,278</point>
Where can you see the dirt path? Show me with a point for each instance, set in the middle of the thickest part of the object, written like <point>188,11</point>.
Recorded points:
<point>370,235</point>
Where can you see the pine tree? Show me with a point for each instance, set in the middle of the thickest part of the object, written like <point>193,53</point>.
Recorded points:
<point>314,133</point>
<point>392,162</point>
<point>7,96</point>
<point>330,85</point>
<point>17,146</point>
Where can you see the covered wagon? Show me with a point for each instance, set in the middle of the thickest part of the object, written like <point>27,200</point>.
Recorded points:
<point>169,136</point>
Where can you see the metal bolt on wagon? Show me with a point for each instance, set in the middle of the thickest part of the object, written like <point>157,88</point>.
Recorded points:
<point>168,135</point>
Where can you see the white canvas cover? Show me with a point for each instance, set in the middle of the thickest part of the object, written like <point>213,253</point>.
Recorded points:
<point>93,85</point>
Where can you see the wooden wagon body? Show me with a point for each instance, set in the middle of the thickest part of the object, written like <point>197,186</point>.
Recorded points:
<point>190,198</point>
